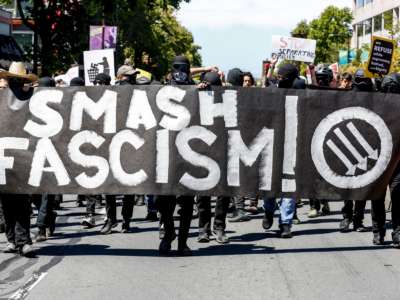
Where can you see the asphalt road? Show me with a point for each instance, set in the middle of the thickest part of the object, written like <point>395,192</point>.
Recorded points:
<point>317,263</point>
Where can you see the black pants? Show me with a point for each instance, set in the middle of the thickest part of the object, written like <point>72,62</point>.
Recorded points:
<point>204,208</point>
<point>166,206</point>
<point>239,202</point>
<point>378,215</point>
<point>45,205</point>
<point>356,215</point>
<point>1,213</point>
<point>128,203</point>
<point>17,216</point>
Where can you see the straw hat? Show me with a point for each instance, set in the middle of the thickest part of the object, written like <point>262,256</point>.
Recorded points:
<point>17,70</point>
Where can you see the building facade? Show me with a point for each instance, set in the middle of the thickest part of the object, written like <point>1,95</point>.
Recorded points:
<point>374,17</point>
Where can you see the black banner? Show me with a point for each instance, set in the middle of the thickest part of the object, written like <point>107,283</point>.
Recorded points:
<point>179,140</point>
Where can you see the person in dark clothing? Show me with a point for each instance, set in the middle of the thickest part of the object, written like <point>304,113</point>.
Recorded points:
<point>180,75</point>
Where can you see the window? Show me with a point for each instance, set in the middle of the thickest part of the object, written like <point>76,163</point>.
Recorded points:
<point>368,26</point>
<point>359,3</point>
<point>378,23</point>
<point>360,29</point>
<point>388,20</point>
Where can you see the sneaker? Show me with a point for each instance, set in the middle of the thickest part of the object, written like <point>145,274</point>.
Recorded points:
<point>151,216</point>
<point>184,251</point>
<point>41,237</point>
<point>345,225</point>
<point>379,238</point>
<point>325,210</point>
<point>285,232</point>
<point>396,239</point>
<point>220,236</point>
<point>108,226</point>
<point>313,213</point>
<point>26,250</point>
<point>88,222</point>
<point>268,220</point>
<point>10,248</point>
<point>360,228</point>
<point>203,237</point>
<point>240,217</point>
<point>125,228</point>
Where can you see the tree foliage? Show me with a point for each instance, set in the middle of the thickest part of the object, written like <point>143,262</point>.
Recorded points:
<point>330,29</point>
<point>148,31</point>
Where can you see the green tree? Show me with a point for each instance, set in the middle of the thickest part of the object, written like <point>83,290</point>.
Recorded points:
<point>330,29</point>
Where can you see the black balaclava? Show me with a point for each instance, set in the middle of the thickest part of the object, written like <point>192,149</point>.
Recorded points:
<point>212,78</point>
<point>361,82</point>
<point>77,81</point>
<point>180,70</point>
<point>102,79</point>
<point>288,74</point>
<point>235,77</point>
<point>391,84</point>
<point>16,85</point>
<point>47,82</point>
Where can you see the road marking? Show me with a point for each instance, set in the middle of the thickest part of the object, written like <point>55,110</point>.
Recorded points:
<point>22,293</point>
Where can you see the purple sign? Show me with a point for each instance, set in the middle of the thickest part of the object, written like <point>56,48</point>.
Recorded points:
<point>103,37</point>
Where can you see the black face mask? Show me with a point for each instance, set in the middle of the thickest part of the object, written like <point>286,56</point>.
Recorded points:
<point>16,86</point>
<point>180,77</point>
<point>363,84</point>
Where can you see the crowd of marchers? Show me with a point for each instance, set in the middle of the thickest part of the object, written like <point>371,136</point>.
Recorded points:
<point>16,210</point>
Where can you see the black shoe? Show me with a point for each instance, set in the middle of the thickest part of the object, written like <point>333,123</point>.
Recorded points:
<point>88,222</point>
<point>165,245</point>
<point>125,228</point>
<point>325,210</point>
<point>396,239</point>
<point>285,232</point>
<point>268,220</point>
<point>345,225</point>
<point>184,250</point>
<point>240,217</point>
<point>80,204</point>
<point>52,225</point>
<point>41,237</point>
<point>151,216</point>
<point>203,237</point>
<point>379,238</point>
<point>161,231</point>
<point>360,227</point>
<point>108,226</point>
<point>220,236</point>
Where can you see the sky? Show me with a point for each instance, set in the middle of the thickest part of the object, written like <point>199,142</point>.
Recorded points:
<point>237,33</point>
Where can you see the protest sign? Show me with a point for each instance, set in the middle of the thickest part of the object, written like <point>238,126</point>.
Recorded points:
<point>103,37</point>
<point>178,140</point>
<point>291,48</point>
<point>98,61</point>
<point>380,56</point>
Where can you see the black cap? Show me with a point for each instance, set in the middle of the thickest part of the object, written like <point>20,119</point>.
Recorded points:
<point>102,79</point>
<point>288,71</point>
<point>212,78</point>
<point>181,59</point>
<point>235,77</point>
<point>77,81</point>
<point>47,82</point>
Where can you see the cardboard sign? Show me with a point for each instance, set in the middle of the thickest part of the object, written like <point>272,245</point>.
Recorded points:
<point>98,61</point>
<point>177,140</point>
<point>291,48</point>
<point>380,56</point>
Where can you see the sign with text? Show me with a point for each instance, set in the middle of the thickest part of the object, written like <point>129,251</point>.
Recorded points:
<point>98,61</point>
<point>291,48</point>
<point>181,141</point>
<point>380,56</point>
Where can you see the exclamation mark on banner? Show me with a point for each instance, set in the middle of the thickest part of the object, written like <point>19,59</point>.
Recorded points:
<point>290,147</point>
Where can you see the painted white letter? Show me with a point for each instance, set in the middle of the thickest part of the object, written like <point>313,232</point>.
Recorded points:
<point>7,162</point>
<point>140,111</point>
<point>88,161</point>
<point>210,110</point>
<point>162,160</point>
<point>107,106</point>
<point>52,120</point>
<point>196,159</point>
<point>125,136</point>
<point>237,151</point>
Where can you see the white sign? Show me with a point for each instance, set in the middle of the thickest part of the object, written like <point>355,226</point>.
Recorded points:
<point>98,61</point>
<point>291,48</point>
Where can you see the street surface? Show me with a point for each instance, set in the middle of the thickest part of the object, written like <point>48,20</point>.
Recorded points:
<point>318,263</point>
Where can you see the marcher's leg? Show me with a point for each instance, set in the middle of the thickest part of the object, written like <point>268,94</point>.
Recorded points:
<point>10,218</point>
<point>151,208</point>
<point>127,212</point>
<point>395,197</point>
<point>240,215</point>
<point>269,205</point>
<point>2,222</point>
<point>22,210</point>
<point>287,209</point>
<point>378,215</point>
<point>42,216</point>
<point>347,212</point>
<point>358,218</point>
<point>111,209</point>
<point>204,209</point>
<point>315,206</point>
<point>166,206</point>
<point>187,203</point>
<point>221,210</point>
